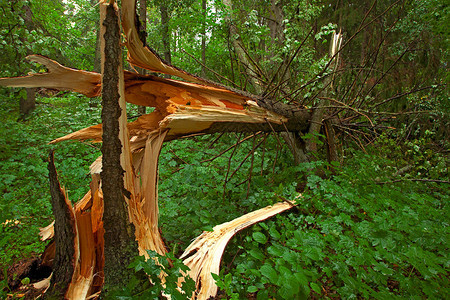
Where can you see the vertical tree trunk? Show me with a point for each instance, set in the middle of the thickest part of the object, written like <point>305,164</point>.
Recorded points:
<point>120,243</point>
<point>28,104</point>
<point>165,33</point>
<point>317,117</point>
<point>65,234</point>
<point>237,45</point>
<point>143,29</point>
<point>204,39</point>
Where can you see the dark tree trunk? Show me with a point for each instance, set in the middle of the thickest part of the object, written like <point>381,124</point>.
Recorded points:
<point>28,104</point>
<point>165,34</point>
<point>204,39</point>
<point>97,56</point>
<point>120,243</point>
<point>65,232</point>
<point>143,29</point>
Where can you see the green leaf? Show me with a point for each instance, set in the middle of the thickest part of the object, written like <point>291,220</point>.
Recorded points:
<point>25,281</point>
<point>315,287</point>
<point>256,253</point>
<point>270,273</point>
<point>252,289</point>
<point>262,295</point>
<point>259,237</point>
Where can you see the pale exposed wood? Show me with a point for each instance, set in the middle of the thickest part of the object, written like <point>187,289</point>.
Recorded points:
<point>204,254</point>
<point>58,77</point>
<point>47,232</point>
<point>145,212</point>
<point>140,55</point>
<point>43,284</point>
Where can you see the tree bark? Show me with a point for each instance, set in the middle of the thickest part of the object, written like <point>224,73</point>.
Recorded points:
<point>238,47</point>
<point>65,235</point>
<point>142,110</point>
<point>204,39</point>
<point>318,114</point>
<point>120,243</point>
<point>165,34</point>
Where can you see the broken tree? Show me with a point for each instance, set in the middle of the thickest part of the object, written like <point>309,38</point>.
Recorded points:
<point>182,108</point>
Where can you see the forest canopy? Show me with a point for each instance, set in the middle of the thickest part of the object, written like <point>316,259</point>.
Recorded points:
<point>366,164</point>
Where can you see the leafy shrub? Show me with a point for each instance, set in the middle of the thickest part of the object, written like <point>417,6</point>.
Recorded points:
<point>140,287</point>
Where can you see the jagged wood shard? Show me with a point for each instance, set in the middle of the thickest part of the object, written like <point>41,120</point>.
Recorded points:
<point>204,254</point>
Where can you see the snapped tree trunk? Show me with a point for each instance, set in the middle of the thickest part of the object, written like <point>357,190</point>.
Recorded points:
<point>65,237</point>
<point>120,243</point>
<point>319,111</point>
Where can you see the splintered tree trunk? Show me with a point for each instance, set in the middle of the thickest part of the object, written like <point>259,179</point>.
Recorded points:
<point>120,243</point>
<point>320,109</point>
<point>65,237</point>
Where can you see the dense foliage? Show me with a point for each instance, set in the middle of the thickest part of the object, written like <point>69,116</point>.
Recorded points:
<point>373,225</point>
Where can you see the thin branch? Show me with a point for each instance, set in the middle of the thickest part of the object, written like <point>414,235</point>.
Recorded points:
<point>215,140</point>
<point>245,158</point>
<point>401,95</point>
<point>251,167</point>
<point>231,147</point>
<point>212,71</point>
<point>253,62</point>
<point>229,166</point>
<point>348,107</point>
<point>289,63</point>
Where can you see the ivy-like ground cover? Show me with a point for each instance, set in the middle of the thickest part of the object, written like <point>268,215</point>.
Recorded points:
<point>367,231</point>
<point>25,196</point>
<point>351,238</point>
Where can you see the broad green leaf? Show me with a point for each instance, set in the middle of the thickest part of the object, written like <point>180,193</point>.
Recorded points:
<point>259,237</point>
<point>270,273</point>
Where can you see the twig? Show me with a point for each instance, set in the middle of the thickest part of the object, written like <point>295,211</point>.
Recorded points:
<point>253,62</point>
<point>245,158</point>
<point>212,71</point>
<point>348,107</point>
<point>229,165</point>
<point>401,95</point>
<point>251,167</point>
<point>215,140</point>
<point>264,152</point>
<point>231,147</point>
<point>289,63</point>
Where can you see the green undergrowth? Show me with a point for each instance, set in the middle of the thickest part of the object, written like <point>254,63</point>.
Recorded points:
<point>354,235</point>
<point>25,202</point>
